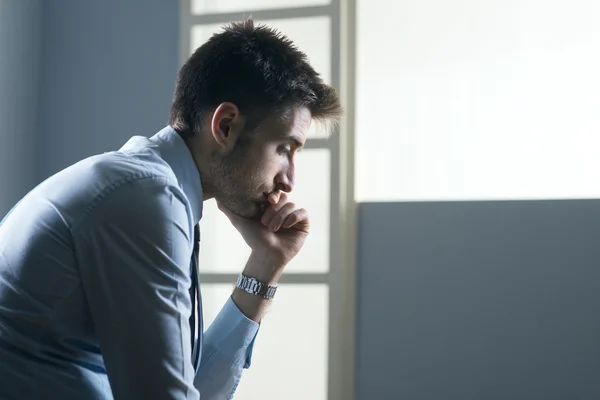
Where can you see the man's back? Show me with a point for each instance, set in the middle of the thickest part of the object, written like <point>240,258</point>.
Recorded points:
<point>48,341</point>
<point>95,278</point>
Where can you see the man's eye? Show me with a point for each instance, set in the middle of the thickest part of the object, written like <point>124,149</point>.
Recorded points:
<point>284,150</point>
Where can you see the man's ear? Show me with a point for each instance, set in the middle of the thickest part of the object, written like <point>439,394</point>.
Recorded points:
<point>226,125</point>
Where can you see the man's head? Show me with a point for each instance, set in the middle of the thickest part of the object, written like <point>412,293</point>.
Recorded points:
<point>244,102</point>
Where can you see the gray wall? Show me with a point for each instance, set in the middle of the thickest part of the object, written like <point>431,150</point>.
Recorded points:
<point>483,300</point>
<point>109,73</point>
<point>20,25</point>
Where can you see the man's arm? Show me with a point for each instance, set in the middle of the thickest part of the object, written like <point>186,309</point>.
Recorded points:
<point>226,351</point>
<point>274,241</point>
<point>228,343</point>
<point>258,267</point>
<point>134,252</point>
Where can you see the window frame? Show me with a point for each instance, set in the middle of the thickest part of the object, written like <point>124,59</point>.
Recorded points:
<point>341,277</point>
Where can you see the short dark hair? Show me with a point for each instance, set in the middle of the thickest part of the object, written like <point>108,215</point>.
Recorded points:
<point>254,67</point>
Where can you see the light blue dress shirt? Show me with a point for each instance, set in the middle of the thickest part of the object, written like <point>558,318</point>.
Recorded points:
<point>94,280</point>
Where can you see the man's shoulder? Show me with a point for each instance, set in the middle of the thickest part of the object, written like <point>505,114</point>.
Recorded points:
<point>115,168</point>
<point>103,172</point>
<point>126,191</point>
<point>79,188</point>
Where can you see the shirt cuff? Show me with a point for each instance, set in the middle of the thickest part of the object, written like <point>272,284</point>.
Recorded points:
<point>233,334</point>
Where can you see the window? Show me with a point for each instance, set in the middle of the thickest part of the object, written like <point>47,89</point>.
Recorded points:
<point>475,100</point>
<point>294,350</point>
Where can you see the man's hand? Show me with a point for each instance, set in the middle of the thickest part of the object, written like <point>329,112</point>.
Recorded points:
<point>276,238</point>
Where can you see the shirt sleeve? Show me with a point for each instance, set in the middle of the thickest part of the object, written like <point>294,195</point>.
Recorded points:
<point>134,250</point>
<point>227,350</point>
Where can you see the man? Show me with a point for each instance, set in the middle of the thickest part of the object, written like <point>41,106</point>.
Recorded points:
<point>98,289</point>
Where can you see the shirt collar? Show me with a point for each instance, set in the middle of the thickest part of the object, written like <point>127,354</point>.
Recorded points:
<point>175,152</point>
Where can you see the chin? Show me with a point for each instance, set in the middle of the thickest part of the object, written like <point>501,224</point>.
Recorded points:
<point>255,210</point>
<point>246,209</point>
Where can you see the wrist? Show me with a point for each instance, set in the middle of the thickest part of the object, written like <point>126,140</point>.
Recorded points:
<point>263,267</point>
<point>253,307</point>
<point>254,286</point>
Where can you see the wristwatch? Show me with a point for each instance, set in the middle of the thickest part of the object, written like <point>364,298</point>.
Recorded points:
<point>255,287</point>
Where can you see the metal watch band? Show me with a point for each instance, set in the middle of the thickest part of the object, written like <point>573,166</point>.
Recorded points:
<point>255,287</point>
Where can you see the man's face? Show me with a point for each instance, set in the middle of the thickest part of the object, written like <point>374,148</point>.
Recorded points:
<point>261,162</point>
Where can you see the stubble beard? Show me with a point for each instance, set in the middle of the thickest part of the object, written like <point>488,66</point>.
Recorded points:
<point>235,182</point>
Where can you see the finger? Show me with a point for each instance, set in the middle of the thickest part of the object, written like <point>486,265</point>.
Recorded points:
<point>275,197</point>
<point>293,218</point>
<point>297,220</point>
<point>278,219</point>
<point>273,209</point>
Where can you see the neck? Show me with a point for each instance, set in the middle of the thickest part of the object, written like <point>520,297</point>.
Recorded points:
<point>201,155</point>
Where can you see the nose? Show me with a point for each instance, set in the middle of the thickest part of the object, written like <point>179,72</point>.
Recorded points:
<point>285,181</point>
